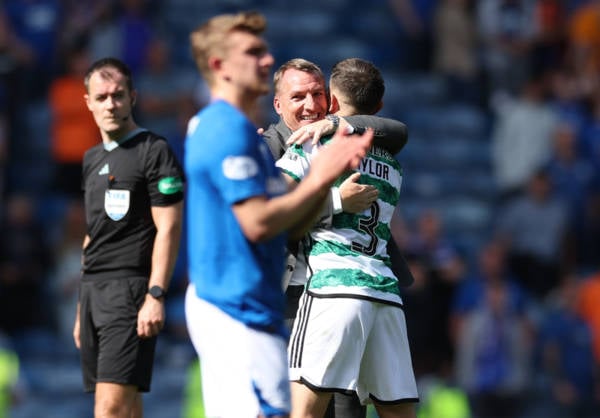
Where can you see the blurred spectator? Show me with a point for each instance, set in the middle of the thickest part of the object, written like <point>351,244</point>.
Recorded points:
<point>73,129</point>
<point>507,33</point>
<point>590,246</point>
<point>166,99</point>
<point>521,136</point>
<point>415,19</point>
<point>590,135</point>
<point>136,31</point>
<point>123,29</point>
<point>31,28</point>
<point>577,180</point>
<point>455,39</point>
<point>66,273</point>
<point>550,40</point>
<point>493,356</point>
<point>589,309</point>
<point>8,66</point>
<point>492,268</point>
<point>421,321</point>
<point>431,245</point>
<point>584,43</point>
<point>534,226</point>
<point>567,361</point>
<point>83,17</point>
<point>36,25</point>
<point>566,97</point>
<point>9,376</point>
<point>443,268</point>
<point>103,31</point>
<point>24,261</point>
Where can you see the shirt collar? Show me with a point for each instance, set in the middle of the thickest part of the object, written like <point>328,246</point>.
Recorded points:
<point>114,144</point>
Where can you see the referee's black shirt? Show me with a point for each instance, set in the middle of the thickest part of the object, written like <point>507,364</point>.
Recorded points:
<point>120,186</point>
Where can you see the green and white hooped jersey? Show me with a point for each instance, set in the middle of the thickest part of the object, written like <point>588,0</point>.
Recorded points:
<point>350,257</point>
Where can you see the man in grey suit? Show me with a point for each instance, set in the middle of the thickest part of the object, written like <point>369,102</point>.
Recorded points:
<point>300,99</point>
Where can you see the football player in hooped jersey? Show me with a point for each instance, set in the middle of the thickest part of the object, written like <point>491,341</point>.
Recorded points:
<point>133,188</point>
<point>352,284</point>
<point>239,215</point>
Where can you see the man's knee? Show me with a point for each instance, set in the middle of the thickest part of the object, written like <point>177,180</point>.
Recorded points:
<point>116,401</point>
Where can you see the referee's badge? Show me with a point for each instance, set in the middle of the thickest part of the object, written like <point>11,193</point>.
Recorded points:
<point>116,203</point>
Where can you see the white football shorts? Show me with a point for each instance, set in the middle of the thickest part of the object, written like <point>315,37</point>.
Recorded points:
<point>244,370</point>
<point>349,344</point>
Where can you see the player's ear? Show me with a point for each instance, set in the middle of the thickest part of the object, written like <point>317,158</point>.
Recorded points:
<point>334,104</point>
<point>86,98</point>
<point>277,105</point>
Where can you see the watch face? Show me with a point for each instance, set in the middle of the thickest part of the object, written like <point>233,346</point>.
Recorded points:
<point>156,292</point>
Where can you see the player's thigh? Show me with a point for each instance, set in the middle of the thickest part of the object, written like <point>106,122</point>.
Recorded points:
<point>268,369</point>
<point>386,370</point>
<point>307,402</point>
<point>237,363</point>
<point>213,335</point>
<point>328,340</point>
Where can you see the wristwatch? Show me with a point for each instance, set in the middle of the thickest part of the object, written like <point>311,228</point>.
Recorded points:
<point>335,119</point>
<point>157,292</point>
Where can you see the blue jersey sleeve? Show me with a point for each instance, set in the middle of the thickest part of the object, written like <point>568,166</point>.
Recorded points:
<point>236,166</point>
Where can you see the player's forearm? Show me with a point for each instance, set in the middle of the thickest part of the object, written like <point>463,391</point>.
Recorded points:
<point>304,225</point>
<point>164,256</point>
<point>165,251</point>
<point>264,219</point>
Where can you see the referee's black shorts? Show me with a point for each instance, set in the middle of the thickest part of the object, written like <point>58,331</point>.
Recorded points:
<point>111,350</point>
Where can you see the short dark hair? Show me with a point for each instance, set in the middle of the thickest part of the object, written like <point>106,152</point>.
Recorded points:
<point>361,83</point>
<point>111,62</point>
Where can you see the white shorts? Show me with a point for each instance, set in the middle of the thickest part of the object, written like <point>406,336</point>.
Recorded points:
<point>244,371</point>
<point>347,344</point>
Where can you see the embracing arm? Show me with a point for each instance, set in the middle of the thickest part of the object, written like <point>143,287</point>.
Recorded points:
<point>390,134</point>
<point>261,218</point>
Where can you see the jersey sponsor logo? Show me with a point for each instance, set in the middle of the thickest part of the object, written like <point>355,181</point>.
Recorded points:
<point>239,167</point>
<point>116,203</point>
<point>170,185</point>
<point>104,170</point>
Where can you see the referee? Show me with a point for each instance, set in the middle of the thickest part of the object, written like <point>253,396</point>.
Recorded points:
<point>133,188</point>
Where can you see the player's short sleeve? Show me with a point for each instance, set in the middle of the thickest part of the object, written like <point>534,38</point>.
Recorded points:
<point>295,162</point>
<point>241,166</point>
<point>165,179</point>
